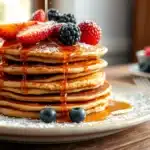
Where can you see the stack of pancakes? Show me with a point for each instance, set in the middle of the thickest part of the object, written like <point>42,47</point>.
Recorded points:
<point>54,76</point>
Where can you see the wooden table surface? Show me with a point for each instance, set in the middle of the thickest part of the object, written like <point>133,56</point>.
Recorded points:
<point>136,138</point>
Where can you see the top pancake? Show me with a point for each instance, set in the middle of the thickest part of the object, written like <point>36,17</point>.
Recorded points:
<point>52,52</point>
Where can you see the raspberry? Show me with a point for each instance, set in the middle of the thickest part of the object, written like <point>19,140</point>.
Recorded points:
<point>147,51</point>
<point>39,15</point>
<point>90,32</point>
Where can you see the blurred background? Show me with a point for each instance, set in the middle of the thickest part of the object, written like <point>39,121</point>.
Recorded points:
<point>125,23</point>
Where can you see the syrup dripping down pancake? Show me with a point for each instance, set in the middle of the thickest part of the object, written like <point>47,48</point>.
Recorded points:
<point>32,106</point>
<point>52,52</point>
<point>75,97</point>
<point>88,81</point>
<point>37,69</point>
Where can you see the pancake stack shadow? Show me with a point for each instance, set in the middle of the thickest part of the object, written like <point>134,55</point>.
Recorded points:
<point>33,79</point>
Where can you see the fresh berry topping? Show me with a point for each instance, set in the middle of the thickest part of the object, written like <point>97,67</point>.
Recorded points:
<point>56,29</point>
<point>90,32</point>
<point>67,18</point>
<point>53,14</point>
<point>39,15</point>
<point>9,31</point>
<point>36,33</point>
<point>69,34</point>
<point>77,115</point>
<point>48,115</point>
<point>147,51</point>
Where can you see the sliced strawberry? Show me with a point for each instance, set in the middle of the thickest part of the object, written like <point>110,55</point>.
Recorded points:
<point>36,33</point>
<point>56,28</point>
<point>39,15</point>
<point>9,31</point>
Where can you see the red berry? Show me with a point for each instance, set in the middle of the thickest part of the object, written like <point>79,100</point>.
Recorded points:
<point>36,33</point>
<point>10,30</point>
<point>90,32</point>
<point>39,15</point>
<point>56,28</point>
<point>147,51</point>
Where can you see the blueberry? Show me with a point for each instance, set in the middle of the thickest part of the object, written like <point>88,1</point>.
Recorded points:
<point>48,115</point>
<point>145,67</point>
<point>77,115</point>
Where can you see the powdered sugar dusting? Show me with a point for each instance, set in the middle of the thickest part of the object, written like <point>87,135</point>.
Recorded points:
<point>87,46</point>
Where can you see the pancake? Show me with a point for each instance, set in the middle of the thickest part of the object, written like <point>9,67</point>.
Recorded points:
<point>52,51</point>
<point>88,81</point>
<point>53,69</point>
<point>44,91</point>
<point>76,97</point>
<point>48,61</point>
<point>47,77</point>
<point>28,106</point>
<point>35,115</point>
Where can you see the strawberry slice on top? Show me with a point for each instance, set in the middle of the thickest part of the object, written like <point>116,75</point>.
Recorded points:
<point>36,33</point>
<point>10,30</point>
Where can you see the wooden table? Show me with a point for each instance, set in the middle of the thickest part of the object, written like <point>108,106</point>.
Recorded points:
<point>136,138</point>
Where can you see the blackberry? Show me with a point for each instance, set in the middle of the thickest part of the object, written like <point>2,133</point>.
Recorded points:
<point>69,34</point>
<point>66,18</point>
<point>53,14</point>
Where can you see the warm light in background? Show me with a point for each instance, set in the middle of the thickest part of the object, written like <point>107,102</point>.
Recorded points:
<point>15,10</point>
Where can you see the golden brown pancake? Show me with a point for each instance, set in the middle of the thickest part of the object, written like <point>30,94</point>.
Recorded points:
<point>75,97</point>
<point>35,115</point>
<point>28,106</point>
<point>52,51</point>
<point>49,77</point>
<point>88,81</point>
<point>53,69</point>
<point>43,91</point>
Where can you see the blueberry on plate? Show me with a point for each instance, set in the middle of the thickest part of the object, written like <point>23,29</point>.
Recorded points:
<point>144,67</point>
<point>77,115</point>
<point>48,115</point>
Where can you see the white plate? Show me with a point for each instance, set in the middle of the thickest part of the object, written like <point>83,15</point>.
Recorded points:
<point>134,70</point>
<point>34,130</point>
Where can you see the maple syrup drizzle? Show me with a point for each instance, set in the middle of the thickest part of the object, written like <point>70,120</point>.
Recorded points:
<point>102,115</point>
<point>67,51</point>
<point>24,57</point>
